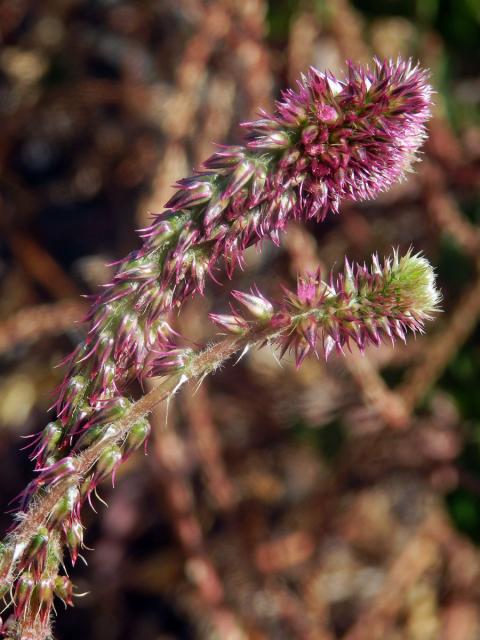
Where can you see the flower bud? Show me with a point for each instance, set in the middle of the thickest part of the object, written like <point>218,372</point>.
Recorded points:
<point>49,441</point>
<point>86,487</point>
<point>309,328</point>
<point>226,158</point>
<point>349,279</point>
<point>74,539</point>
<point>36,551</point>
<point>309,134</point>
<point>198,270</point>
<point>72,391</point>
<point>232,324</point>
<point>6,557</point>
<point>113,410</point>
<point>259,181</point>
<point>258,306</point>
<point>136,437</point>
<point>107,463</point>
<point>194,194</point>
<point>43,598</point>
<point>65,507</point>
<point>170,361</point>
<point>242,174</point>
<point>326,113</point>
<point>57,471</point>
<point>214,211</point>
<point>372,331</point>
<point>290,157</point>
<point>276,140</point>
<point>23,592</point>
<point>159,232</point>
<point>92,434</point>
<point>63,589</point>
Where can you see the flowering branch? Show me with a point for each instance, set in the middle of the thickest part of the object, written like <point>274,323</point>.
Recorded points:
<point>359,305</point>
<point>330,140</point>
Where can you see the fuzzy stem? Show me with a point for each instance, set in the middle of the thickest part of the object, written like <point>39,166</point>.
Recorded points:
<point>200,365</point>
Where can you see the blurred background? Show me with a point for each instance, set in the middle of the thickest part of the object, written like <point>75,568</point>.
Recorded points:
<point>339,501</point>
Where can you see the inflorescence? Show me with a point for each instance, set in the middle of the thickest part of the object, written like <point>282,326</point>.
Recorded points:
<point>361,306</point>
<point>329,140</point>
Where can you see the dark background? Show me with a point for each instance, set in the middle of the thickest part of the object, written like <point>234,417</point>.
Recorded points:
<point>340,501</point>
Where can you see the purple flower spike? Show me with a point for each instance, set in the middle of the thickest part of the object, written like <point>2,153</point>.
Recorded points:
<point>328,140</point>
<point>359,305</point>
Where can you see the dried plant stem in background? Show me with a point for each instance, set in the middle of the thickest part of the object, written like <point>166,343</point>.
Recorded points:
<point>417,557</point>
<point>386,403</point>
<point>208,446</point>
<point>347,25</point>
<point>445,212</point>
<point>190,74</point>
<point>30,325</point>
<point>441,348</point>
<point>172,468</point>
<point>43,268</point>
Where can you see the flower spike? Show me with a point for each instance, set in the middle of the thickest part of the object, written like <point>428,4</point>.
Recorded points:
<point>331,139</point>
<point>361,306</point>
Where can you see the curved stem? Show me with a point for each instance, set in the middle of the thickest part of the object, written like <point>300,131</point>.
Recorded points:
<point>200,365</point>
